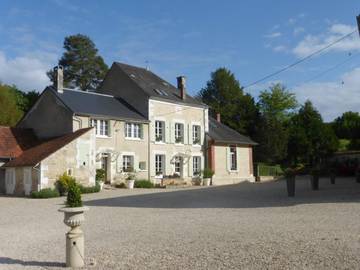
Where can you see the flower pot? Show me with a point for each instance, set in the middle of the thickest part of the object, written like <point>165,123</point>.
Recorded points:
<point>290,185</point>
<point>130,184</point>
<point>332,178</point>
<point>74,217</point>
<point>206,181</point>
<point>314,182</point>
<point>101,184</point>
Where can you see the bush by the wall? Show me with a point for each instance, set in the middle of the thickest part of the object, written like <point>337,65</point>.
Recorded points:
<point>62,184</point>
<point>92,189</point>
<point>143,184</point>
<point>45,193</point>
<point>100,175</point>
<point>120,185</point>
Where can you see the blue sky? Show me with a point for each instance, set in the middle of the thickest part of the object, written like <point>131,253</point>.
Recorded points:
<point>193,38</point>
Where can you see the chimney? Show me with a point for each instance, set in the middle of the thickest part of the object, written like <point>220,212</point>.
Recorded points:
<point>59,79</point>
<point>181,86</point>
<point>218,117</point>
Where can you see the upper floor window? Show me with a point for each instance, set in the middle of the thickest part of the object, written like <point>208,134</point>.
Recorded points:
<point>159,131</point>
<point>101,127</point>
<point>179,133</point>
<point>233,158</point>
<point>196,133</point>
<point>133,130</point>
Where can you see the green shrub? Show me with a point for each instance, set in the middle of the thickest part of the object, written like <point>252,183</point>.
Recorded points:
<point>268,170</point>
<point>62,184</point>
<point>143,184</point>
<point>74,196</point>
<point>120,185</point>
<point>100,175</point>
<point>207,173</point>
<point>290,172</point>
<point>45,193</point>
<point>92,189</point>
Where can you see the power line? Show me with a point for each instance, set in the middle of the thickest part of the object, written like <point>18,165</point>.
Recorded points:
<point>301,60</point>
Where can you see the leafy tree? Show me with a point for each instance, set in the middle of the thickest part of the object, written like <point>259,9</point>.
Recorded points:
<point>347,127</point>
<point>310,139</point>
<point>10,113</point>
<point>83,67</point>
<point>224,95</point>
<point>277,102</point>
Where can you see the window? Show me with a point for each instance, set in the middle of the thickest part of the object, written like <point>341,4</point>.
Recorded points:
<point>233,158</point>
<point>133,130</point>
<point>128,163</point>
<point>196,133</point>
<point>142,165</point>
<point>179,133</point>
<point>101,127</point>
<point>196,166</point>
<point>159,164</point>
<point>159,131</point>
<point>178,165</point>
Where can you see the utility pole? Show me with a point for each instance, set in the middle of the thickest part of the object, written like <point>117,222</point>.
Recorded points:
<point>358,22</point>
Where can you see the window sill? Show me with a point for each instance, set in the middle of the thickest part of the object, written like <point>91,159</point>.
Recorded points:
<point>159,142</point>
<point>179,144</point>
<point>133,139</point>
<point>196,145</point>
<point>103,137</point>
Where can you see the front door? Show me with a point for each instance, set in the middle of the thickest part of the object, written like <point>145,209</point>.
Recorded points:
<point>105,166</point>
<point>27,181</point>
<point>10,181</point>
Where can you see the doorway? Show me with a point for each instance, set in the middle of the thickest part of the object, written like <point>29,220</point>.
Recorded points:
<point>105,165</point>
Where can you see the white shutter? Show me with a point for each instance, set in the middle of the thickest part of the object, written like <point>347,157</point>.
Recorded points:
<point>190,166</point>
<point>167,132</point>
<point>186,134</point>
<point>136,163</point>
<point>152,131</point>
<point>119,162</point>
<point>172,132</point>
<point>151,165</point>
<point>228,161</point>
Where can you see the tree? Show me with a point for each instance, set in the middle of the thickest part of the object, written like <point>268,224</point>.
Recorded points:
<point>277,102</point>
<point>10,113</point>
<point>83,67</point>
<point>310,139</point>
<point>224,95</point>
<point>347,127</point>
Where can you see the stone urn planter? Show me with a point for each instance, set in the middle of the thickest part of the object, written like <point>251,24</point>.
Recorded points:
<point>130,183</point>
<point>290,175</point>
<point>101,185</point>
<point>206,181</point>
<point>74,218</point>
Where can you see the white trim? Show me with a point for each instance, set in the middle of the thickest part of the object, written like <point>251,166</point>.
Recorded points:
<point>178,104</point>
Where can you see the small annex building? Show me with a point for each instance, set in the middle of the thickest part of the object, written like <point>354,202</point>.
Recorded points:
<point>30,164</point>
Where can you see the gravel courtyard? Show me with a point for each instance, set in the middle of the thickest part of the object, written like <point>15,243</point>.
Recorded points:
<point>245,226</point>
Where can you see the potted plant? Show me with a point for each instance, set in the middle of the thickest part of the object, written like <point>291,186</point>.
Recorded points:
<point>158,138</point>
<point>130,179</point>
<point>290,175</point>
<point>100,178</point>
<point>315,175</point>
<point>74,217</point>
<point>207,174</point>
<point>178,140</point>
<point>332,176</point>
<point>196,141</point>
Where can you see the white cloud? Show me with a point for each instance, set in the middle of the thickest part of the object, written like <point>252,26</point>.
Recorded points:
<point>298,30</point>
<point>28,72</point>
<point>334,97</point>
<point>273,35</point>
<point>312,43</point>
<point>280,48</point>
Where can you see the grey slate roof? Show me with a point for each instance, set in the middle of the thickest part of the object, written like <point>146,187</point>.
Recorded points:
<point>154,86</point>
<point>98,105</point>
<point>221,133</point>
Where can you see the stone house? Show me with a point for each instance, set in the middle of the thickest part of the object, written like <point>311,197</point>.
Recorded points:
<point>142,123</point>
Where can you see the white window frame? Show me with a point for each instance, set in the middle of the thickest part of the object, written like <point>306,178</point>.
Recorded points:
<point>179,132</point>
<point>101,127</point>
<point>196,160</point>
<point>233,158</point>
<point>133,131</point>
<point>178,163</point>
<point>159,131</point>
<point>159,164</point>
<point>196,134</point>
<point>127,162</point>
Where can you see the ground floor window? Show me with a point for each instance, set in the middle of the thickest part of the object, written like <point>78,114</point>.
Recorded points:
<point>196,166</point>
<point>159,164</point>
<point>233,158</point>
<point>128,163</point>
<point>178,165</point>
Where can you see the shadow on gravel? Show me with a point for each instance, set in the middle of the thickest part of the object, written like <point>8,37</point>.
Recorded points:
<point>5,260</point>
<point>244,195</point>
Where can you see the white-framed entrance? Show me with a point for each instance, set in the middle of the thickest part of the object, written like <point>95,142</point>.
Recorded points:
<point>10,180</point>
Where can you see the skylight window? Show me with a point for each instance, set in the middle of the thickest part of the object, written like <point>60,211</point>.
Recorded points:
<point>160,92</point>
<point>132,75</point>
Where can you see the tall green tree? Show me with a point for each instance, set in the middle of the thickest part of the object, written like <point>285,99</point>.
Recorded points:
<point>347,127</point>
<point>83,66</point>
<point>310,139</point>
<point>224,95</point>
<point>10,112</point>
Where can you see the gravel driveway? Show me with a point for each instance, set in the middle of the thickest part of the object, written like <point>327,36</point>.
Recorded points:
<point>245,226</point>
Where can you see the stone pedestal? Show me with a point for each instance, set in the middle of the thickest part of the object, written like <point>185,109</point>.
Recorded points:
<point>74,217</point>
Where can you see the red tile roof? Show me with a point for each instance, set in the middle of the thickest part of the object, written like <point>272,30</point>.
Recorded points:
<point>14,141</point>
<point>34,155</point>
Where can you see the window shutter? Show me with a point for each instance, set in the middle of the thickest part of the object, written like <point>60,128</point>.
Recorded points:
<point>185,133</point>
<point>228,163</point>
<point>141,127</point>
<point>172,132</point>
<point>136,163</point>
<point>119,162</point>
<point>167,132</point>
<point>190,165</point>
